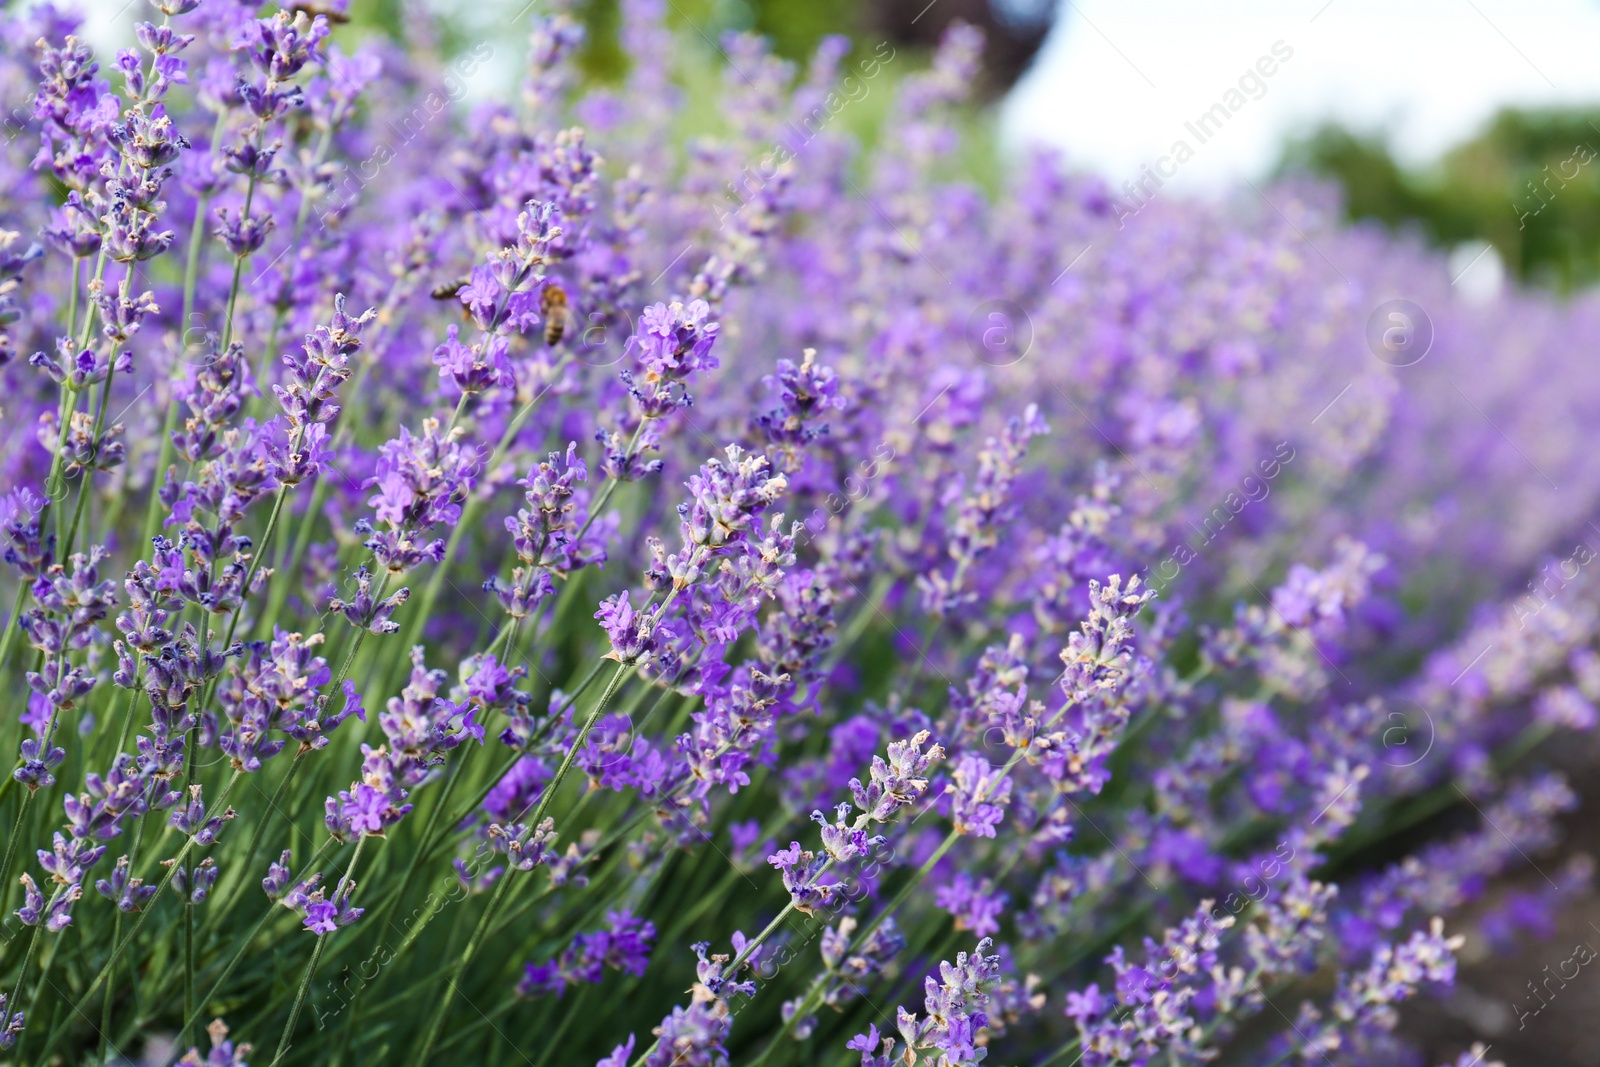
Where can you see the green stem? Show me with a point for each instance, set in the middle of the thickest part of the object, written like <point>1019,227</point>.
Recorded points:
<point>79,1008</point>
<point>105,1008</point>
<point>256,837</point>
<point>101,404</point>
<point>13,1005</point>
<point>72,296</point>
<point>320,492</point>
<point>469,516</point>
<point>13,623</point>
<point>432,1032</point>
<point>191,277</point>
<point>316,955</point>
<point>238,261</point>
<point>304,210</point>
<point>77,511</point>
<point>255,931</point>
<point>457,772</point>
<point>127,710</point>
<point>188,971</point>
<point>808,1003</point>
<point>52,481</point>
<point>68,405</point>
<point>455,416</point>
<point>11,845</point>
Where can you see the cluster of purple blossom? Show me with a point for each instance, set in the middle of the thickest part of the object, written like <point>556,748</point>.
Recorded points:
<point>566,343</point>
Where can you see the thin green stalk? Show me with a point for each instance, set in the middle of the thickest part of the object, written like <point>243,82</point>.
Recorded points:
<point>191,753</point>
<point>320,492</point>
<point>191,265</point>
<point>455,416</point>
<point>248,940</point>
<point>14,1005</point>
<point>127,711</point>
<point>809,1002</point>
<point>79,1008</point>
<point>188,969</point>
<point>238,261</point>
<point>432,1032</point>
<point>457,772</point>
<point>483,1022</point>
<point>105,1007</point>
<point>599,505</point>
<point>316,955</point>
<point>77,511</point>
<point>13,623</point>
<point>101,404</point>
<point>68,405</point>
<point>255,840</point>
<point>443,1006</point>
<point>301,214</point>
<point>1063,1052</point>
<point>191,277</point>
<point>53,480</point>
<point>72,295</point>
<point>469,516</point>
<point>259,554</point>
<point>11,845</point>
<point>53,951</point>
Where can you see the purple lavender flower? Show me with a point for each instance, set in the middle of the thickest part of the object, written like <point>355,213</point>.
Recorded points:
<point>420,727</point>
<point>956,1006</point>
<point>368,612</point>
<point>805,394</point>
<point>128,893</point>
<point>276,883</point>
<point>849,966</point>
<point>671,344</point>
<point>975,905</point>
<point>978,796</point>
<point>76,110</point>
<point>196,882</point>
<point>224,1053</point>
<point>421,483</point>
<point>15,1023</point>
<point>624,947</point>
<point>1364,1003</point>
<point>982,514</point>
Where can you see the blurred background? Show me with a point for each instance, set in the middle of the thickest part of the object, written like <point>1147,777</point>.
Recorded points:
<point>1458,120</point>
<point>1471,126</point>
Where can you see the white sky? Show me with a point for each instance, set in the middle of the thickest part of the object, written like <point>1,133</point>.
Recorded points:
<point>1117,79</point>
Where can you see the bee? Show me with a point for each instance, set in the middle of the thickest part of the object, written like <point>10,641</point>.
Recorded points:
<point>553,304</point>
<point>327,10</point>
<point>450,290</point>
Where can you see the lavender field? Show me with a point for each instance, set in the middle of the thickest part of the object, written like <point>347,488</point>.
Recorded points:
<point>541,579</point>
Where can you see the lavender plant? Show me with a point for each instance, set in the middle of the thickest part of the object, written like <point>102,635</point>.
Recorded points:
<point>451,548</point>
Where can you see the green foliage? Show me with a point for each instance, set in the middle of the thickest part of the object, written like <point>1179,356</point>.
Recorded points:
<point>1529,184</point>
